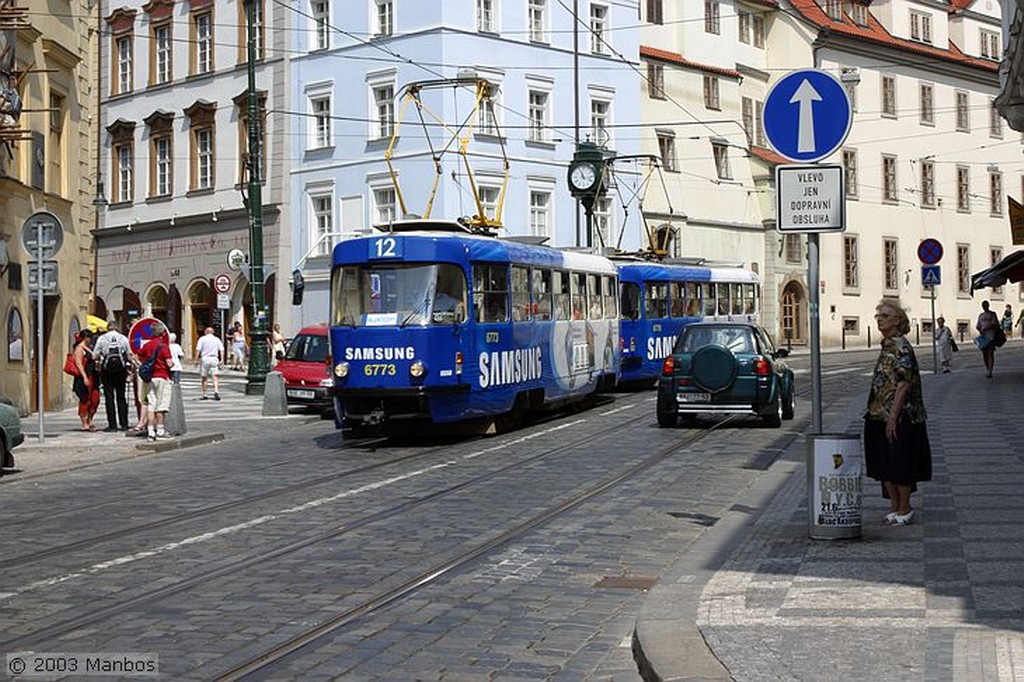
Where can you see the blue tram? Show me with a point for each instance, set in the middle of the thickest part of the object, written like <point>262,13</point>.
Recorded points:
<point>658,299</point>
<point>433,321</point>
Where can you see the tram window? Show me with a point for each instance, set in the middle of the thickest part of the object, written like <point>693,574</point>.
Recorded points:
<point>608,284</point>
<point>578,282</point>
<point>657,299</point>
<point>678,294</point>
<point>541,292</point>
<point>345,292</point>
<point>490,292</point>
<point>723,299</point>
<point>750,299</point>
<point>629,301</point>
<point>521,294</point>
<point>710,299</point>
<point>692,299</point>
<point>450,295</point>
<point>563,302</point>
<point>737,298</point>
<point>596,300</point>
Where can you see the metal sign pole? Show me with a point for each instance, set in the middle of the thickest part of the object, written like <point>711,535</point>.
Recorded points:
<point>815,319</point>
<point>39,327</point>
<point>935,355</point>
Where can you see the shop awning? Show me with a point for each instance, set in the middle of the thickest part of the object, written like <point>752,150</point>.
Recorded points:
<point>1009,269</point>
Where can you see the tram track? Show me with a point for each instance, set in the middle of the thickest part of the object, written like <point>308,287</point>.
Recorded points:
<point>69,625</point>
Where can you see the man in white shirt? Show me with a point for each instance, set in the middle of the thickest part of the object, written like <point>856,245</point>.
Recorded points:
<point>113,357</point>
<point>210,352</point>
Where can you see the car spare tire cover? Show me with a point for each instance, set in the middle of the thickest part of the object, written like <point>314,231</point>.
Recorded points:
<point>714,368</point>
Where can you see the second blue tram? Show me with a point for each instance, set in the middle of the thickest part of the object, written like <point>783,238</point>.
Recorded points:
<point>430,321</point>
<point>658,299</point>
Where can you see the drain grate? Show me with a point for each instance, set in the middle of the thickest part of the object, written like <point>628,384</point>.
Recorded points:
<point>627,582</point>
<point>702,519</point>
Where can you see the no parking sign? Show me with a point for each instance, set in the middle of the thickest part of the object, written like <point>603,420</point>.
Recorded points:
<point>142,333</point>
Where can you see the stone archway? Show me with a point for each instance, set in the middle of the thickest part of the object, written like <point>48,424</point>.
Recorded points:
<point>793,318</point>
<point>156,302</point>
<point>201,312</point>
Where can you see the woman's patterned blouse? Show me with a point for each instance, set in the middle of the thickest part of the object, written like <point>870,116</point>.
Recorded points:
<point>896,364</point>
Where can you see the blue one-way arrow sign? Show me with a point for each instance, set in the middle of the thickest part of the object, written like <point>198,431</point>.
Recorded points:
<point>807,115</point>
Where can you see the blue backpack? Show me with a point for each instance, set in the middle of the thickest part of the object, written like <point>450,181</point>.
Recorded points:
<point>146,368</point>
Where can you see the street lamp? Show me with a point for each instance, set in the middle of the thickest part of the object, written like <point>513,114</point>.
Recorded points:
<point>259,354</point>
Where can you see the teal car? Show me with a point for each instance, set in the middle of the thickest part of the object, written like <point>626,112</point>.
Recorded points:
<point>725,368</point>
<point>10,434</point>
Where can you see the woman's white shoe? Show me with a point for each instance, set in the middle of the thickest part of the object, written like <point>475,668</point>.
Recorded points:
<point>903,519</point>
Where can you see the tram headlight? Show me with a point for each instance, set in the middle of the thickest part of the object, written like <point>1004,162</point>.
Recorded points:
<point>417,369</point>
<point>341,370</point>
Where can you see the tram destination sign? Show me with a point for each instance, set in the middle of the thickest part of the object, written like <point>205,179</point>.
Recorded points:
<point>810,198</point>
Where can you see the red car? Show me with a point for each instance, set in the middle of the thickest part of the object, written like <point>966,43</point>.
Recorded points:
<point>306,368</point>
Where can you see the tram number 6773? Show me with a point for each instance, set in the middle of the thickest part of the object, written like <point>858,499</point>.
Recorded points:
<point>375,370</point>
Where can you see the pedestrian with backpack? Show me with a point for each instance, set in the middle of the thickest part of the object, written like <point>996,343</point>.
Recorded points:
<point>113,355</point>
<point>155,370</point>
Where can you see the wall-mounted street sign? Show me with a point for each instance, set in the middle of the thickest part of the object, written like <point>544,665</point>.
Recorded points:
<point>931,275</point>
<point>810,198</point>
<point>807,115</point>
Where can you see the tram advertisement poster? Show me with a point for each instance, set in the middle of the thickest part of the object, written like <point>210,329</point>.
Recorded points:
<point>836,481</point>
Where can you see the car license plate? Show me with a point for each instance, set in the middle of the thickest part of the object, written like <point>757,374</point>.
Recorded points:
<point>305,395</point>
<point>693,397</point>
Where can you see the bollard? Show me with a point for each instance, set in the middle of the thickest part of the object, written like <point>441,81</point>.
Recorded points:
<point>174,421</point>
<point>844,337</point>
<point>834,466</point>
<point>869,336</point>
<point>275,403</point>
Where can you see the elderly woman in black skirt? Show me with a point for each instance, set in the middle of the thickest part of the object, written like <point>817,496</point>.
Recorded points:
<point>896,446</point>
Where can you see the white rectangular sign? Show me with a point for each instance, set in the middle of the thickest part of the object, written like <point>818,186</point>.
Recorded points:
<point>810,198</point>
<point>223,301</point>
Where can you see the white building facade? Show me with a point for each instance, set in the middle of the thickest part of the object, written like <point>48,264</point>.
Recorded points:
<point>174,116</point>
<point>350,66</point>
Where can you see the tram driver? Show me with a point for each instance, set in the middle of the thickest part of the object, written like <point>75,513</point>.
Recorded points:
<point>449,305</point>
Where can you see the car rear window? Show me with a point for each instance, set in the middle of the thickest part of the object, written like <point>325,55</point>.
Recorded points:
<point>736,340</point>
<point>307,348</point>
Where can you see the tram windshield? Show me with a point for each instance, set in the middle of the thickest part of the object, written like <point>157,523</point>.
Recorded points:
<point>399,294</point>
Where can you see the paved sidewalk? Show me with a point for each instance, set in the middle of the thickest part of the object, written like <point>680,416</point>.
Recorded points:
<point>65,446</point>
<point>941,599</point>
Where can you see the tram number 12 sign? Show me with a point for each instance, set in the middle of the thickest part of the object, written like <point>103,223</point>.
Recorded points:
<point>810,198</point>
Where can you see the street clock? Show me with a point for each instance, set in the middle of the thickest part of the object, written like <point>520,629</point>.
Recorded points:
<point>583,176</point>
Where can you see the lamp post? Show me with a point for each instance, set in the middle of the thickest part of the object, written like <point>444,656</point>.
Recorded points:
<point>259,354</point>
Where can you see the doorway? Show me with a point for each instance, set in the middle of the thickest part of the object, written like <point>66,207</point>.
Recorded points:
<point>794,314</point>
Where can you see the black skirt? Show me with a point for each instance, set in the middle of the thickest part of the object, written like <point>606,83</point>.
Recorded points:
<point>906,461</point>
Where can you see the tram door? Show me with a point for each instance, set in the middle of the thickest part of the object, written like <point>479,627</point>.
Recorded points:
<point>794,315</point>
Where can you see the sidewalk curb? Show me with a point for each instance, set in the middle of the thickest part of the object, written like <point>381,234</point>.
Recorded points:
<point>180,443</point>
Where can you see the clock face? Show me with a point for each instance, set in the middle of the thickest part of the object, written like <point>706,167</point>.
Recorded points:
<point>582,176</point>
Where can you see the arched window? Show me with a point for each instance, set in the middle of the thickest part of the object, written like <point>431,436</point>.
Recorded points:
<point>15,337</point>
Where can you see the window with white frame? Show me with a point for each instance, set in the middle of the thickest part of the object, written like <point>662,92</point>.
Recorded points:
<point>743,19</point>
<point>720,151</point>
<point>538,115</point>
<point>920,26</point>
<point>161,53</point>
<point>258,28</point>
<point>537,20</point>
<point>124,159</point>
<point>860,14</point>
<point>163,166</point>
<point>995,254</point>
<point>834,9</point>
<point>598,29</point>
<point>485,16</point>
<point>203,141</point>
<point>793,248</point>
<point>202,42</point>
<point>655,80</point>
<point>963,113</point>
<point>320,108</point>
<point>600,121</point>
<point>487,119</point>
<point>711,96</point>
<point>850,170</point>
<point>995,121</point>
<point>667,149</point>
<point>991,45</point>
<point>747,112</point>
<point>712,17</point>
<point>963,268</point>
<point>963,188</point>
<point>889,96</point>
<point>385,18</point>
<point>385,205</point>
<point>850,85</point>
<point>540,213</point>
<point>889,189</point>
<point>890,251</point>
<point>759,124</point>
<point>927,182</point>
<point>758,28</point>
<point>995,192</point>
<point>320,14</point>
<point>655,12</point>
<point>322,223</point>
<point>851,262</point>
<point>489,200</point>
<point>384,110</point>
<point>927,104</point>
<point>124,64</point>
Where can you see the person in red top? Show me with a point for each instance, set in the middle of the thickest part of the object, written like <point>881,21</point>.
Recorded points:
<point>159,393</point>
